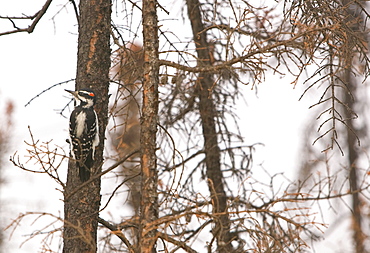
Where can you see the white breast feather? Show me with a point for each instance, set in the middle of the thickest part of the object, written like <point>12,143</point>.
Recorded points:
<point>80,124</point>
<point>96,139</point>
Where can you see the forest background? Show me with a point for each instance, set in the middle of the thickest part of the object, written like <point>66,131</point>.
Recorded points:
<point>272,136</point>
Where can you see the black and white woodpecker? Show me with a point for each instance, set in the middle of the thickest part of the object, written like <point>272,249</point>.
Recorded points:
<point>83,131</point>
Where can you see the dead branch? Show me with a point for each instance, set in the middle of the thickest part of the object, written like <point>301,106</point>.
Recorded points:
<point>117,232</point>
<point>102,173</point>
<point>36,18</point>
<point>49,160</point>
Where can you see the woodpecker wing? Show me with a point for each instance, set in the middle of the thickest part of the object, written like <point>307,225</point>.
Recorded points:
<point>83,134</point>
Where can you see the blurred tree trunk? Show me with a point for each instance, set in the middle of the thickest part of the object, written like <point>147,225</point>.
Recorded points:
<point>127,69</point>
<point>358,235</point>
<point>208,114</point>
<point>148,139</point>
<point>353,16</point>
<point>6,131</point>
<point>81,207</point>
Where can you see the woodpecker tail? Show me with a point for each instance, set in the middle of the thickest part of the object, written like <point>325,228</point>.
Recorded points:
<point>84,173</point>
<point>85,168</point>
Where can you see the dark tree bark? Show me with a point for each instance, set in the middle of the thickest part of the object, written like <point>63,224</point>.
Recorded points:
<point>81,207</point>
<point>149,195</point>
<point>208,114</point>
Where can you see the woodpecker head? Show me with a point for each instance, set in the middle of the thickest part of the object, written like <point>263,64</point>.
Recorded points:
<point>84,97</point>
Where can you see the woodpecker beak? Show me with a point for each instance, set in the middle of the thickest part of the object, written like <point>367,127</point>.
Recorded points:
<point>74,93</point>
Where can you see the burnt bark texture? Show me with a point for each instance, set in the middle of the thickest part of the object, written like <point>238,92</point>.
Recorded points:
<point>81,204</point>
<point>149,194</point>
<point>208,114</point>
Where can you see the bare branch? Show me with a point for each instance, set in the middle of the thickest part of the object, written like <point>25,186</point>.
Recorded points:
<point>36,18</point>
<point>116,231</point>
<point>49,88</point>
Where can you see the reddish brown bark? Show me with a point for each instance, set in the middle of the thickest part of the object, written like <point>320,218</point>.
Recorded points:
<point>149,197</point>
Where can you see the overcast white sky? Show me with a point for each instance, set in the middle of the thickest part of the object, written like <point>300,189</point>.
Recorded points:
<point>30,63</point>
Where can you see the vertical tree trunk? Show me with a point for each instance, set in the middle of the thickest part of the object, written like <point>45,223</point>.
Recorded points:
<point>208,114</point>
<point>352,17</point>
<point>358,235</point>
<point>149,195</point>
<point>81,209</point>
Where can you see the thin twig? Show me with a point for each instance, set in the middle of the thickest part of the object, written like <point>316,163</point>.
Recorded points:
<point>101,174</point>
<point>42,92</point>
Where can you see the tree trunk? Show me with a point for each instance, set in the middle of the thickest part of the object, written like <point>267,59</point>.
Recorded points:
<point>149,195</point>
<point>353,17</point>
<point>208,114</point>
<point>358,234</point>
<point>81,207</point>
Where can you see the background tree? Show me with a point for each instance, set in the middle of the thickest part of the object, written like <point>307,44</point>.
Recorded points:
<point>127,70</point>
<point>208,114</point>
<point>310,28</point>
<point>353,98</point>
<point>5,130</point>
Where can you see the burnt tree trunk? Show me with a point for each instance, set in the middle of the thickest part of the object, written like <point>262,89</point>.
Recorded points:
<point>149,195</point>
<point>208,114</point>
<point>81,206</point>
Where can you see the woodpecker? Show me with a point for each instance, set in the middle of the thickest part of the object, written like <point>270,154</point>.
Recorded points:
<point>83,131</point>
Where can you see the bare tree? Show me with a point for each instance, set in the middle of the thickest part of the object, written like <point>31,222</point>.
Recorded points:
<point>355,17</point>
<point>208,114</point>
<point>351,97</point>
